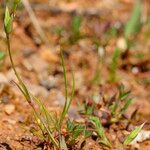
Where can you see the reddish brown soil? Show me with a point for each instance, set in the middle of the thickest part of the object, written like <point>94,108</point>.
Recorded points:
<point>37,62</point>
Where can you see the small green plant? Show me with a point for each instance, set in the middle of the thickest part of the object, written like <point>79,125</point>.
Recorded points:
<point>133,25</point>
<point>68,99</point>
<point>76,23</point>
<point>114,65</point>
<point>75,27</point>
<point>48,123</point>
<point>74,131</point>
<point>133,135</point>
<point>97,125</point>
<point>87,108</point>
<point>8,23</point>
<point>119,104</point>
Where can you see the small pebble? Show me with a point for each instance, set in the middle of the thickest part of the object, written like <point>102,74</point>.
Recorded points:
<point>122,44</point>
<point>135,70</point>
<point>49,83</point>
<point>101,52</point>
<point>9,109</point>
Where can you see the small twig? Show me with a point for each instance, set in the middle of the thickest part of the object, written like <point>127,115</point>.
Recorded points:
<point>35,21</point>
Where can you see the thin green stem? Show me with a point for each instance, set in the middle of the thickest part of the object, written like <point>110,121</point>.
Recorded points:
<point>67,100</point>
<point>24,88</point>
<point>65,75</point>
<point>47,128</point>
<point>66,90</point>
<point>72,92</point>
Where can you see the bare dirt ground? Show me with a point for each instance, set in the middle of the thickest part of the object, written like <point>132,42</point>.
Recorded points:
<point>40,66</point>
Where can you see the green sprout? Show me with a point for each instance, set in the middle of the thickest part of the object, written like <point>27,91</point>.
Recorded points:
<point>133,135</point>
<point>87,108</point>
<point>68,100</point>
<point>75,26</point>
<point>74,131</point>
<point>133,25</point>
<point>120,104</point>
<point>97,125</point>
<point>114,65</point>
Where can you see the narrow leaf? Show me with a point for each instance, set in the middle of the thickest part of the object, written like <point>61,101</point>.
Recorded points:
<point>133,24</point>
<point>133,135</point>
<point>76,23</point>
<point>127,104</point>
<point>114,64</point>
<point>100,131</point>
